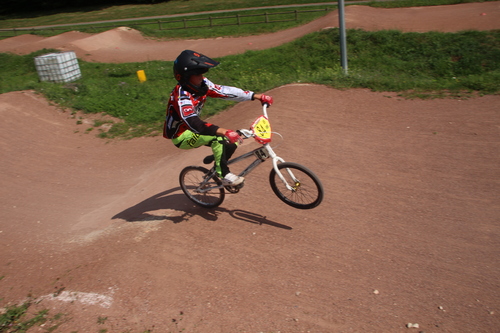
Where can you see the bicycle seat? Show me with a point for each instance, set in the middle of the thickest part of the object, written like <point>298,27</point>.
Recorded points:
<point>209,159</point>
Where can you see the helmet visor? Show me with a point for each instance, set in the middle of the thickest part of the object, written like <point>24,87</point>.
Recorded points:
<point>197,71</point>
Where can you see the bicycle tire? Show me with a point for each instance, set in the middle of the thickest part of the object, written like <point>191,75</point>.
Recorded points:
<point>191,178</point>
<point>307,189</point>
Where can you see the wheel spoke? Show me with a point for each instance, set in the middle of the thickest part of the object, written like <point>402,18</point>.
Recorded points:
<point>206,193</point>
<point>304,190</point>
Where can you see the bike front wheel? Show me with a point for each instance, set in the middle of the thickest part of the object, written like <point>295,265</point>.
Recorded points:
<point>200,188</point>
<point>300,189</point>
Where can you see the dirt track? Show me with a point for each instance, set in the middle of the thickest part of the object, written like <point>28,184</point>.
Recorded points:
<point>408,232</point>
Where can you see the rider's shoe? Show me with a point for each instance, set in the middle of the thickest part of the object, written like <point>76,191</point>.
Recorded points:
<point>232,180</point>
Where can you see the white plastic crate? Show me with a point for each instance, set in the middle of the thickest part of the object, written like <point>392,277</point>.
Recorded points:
<point>58,67</point>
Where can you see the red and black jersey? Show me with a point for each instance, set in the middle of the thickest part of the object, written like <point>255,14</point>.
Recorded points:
<point>184,109</point>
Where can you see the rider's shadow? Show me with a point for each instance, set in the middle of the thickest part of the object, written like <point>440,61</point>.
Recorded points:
<point>170,200</point>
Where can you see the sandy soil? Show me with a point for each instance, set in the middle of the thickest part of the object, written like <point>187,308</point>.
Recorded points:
<point>408,231</point>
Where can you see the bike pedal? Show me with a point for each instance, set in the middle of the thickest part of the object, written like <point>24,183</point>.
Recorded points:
<point>234,189</point>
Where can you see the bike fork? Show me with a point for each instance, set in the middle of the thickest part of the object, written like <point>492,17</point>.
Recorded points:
<point>277,159</point>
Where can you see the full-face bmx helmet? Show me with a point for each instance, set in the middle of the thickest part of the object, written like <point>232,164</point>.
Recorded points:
<point>192,63</point>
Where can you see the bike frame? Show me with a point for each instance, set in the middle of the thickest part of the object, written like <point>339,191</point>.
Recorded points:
<point>262,153</point>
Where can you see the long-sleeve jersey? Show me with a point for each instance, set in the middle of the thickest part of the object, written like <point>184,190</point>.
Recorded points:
<point>184,109</point>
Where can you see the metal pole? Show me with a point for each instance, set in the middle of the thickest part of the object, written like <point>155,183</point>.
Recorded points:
<point>343,44</point>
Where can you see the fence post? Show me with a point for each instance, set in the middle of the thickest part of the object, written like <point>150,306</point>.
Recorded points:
<point>343,43</point>
<point>159,25</point>
<point>296,15</point>
<point>267,18</point>
<point>184,20</point>
<point>210,18</point>
<point>238,18</point>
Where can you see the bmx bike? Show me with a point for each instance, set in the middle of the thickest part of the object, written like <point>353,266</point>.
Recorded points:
<point>292,183</point>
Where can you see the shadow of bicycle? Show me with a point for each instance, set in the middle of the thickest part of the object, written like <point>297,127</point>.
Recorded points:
<point>172,205</point>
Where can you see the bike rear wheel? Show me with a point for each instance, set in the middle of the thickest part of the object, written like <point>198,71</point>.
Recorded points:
<point>306,190</point>
<point>201,189</point>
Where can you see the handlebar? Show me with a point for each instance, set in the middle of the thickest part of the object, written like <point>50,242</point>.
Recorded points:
<point>264,109</point>
<point>250,133</point>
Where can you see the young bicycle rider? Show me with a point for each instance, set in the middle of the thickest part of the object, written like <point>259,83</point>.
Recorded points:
<point>183,124</point>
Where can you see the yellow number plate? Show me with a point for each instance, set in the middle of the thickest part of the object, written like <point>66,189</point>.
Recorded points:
<point>261,127</point>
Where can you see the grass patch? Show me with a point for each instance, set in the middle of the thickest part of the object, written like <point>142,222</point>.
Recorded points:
<point>414,64</point>
<point>18,319</point>
<point>228,24</point>
<point>419,3</point>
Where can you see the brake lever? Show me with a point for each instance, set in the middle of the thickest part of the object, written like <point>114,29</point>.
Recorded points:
<point>245,133</point>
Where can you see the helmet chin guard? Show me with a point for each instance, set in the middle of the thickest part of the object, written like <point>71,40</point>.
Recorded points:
<point>200,90</point>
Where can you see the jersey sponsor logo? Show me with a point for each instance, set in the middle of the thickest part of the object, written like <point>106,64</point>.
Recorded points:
<point>187,111</point>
